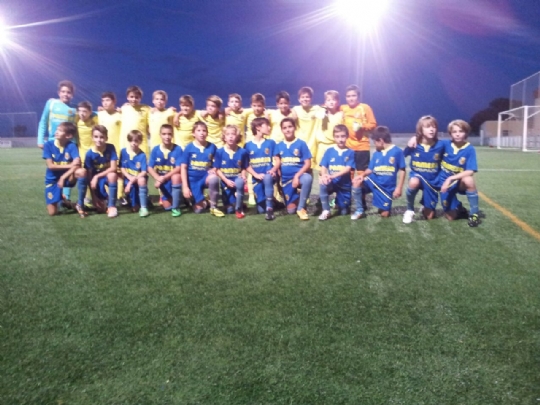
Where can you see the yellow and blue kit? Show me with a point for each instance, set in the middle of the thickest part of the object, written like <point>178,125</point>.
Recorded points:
<point>84,129</point>
<point>215,129</point>
<point>198,159</point>
<point>231,163</point>
<point>156,119</point>
<point>335,160</point>
<point>97,162</point>
<point>164,161</point>
<point>239,120</point>
<point>261,157</point>
<point>293,156</point>
<point>183,133</point>
<point>60,156</point>
<point>134,163</point>
<point>54,113</point>
<point>135,118</point>
<point>113,123</point>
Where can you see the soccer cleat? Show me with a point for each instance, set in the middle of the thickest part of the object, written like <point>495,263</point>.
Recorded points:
<point>67,203</point>
<point>408,216</point>
<point>251,201</point>
<point>112,212</point>
<point>302,214</point>
<point>88,203</point>
<point>357,215</point>
<point>123,201</point>
<point>462,213</point>
<point>143,212</point>
<point>332,203</point>
<point>324,215</point>
<point>240,214</point>
<point>175,212</point>
<point>473,221</point>
<point>269,215</point>
<point>80,210</point>
<point>217,213</point>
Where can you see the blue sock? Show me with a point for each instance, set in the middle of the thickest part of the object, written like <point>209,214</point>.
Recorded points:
<point>357,196</point>
<point>66,191</point>
<point>472,196</point>
<point>411,195</point>
<point>113,190</point>
<point>143,195</point>
<point>175,196</point>
<point>239,183</point>
<point>82,185</point>
<point>260,208</point>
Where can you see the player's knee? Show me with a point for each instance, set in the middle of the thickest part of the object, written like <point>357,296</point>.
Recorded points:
<point>306,179</point>
<point>428,213</point>
<point>239,183</point>
<point>141,181</point>
<point>52,209</point>
<point>414,183</point>
<point>176,179</point>
<point>112,177</point>
<point>212,180</point>
<point>80,173</point>
<point>469,183</point>
<point>384,214</point>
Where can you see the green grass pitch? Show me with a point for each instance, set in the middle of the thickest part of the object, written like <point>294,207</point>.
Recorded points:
<point>202,310</point>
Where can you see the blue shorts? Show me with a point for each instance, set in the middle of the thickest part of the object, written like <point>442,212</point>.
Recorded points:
<point>343,194</point>
<point>382,198</point>
<point>53,193</point>
<point>166,191</point>
<point>197,187</point>
<point>228,194</point>
<point>449,200</point>
<point>430,192</point>
<point>258,190</point>
<point>133,193</point>
<point>102,189</point>
<point>291,193</point>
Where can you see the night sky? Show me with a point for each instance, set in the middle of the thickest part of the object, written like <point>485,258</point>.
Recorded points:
<point>448,58</point>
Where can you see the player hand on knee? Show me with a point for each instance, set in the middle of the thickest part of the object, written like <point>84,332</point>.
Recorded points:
<point>295,182</point>
<point>186,192</point>
<point>230,183</point>
<point>93,183</point>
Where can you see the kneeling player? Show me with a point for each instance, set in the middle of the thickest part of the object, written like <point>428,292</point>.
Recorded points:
<point>294,159</point>
<point>336,166</point>
<point>101,163</point>
<point>164,167</point>
<point>231,163</point>
<point>381,176</point>
<point>134,169</point>
<point>63,167</point>
<point>198,172</point>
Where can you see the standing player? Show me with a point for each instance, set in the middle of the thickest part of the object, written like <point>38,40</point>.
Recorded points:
<point>135,116</point>
<point>330,116</point>
<point>63,166</point>
<point>307,116</point>
<point>159,115</point>
<point>294,160</point>
<point>198,172</point>
<point>86,120</point>
<point>336,166</point>
<point>56,111</point>
<point>164,167</point>
<point>236,115</point>
<point>261,156</point>
<point>214,120</point>
<point>385,170</point>
<point>231,162</point>
<point>101,163</point>
<point>134,172</point>
<point>184,121</point>
<point>283,102</point>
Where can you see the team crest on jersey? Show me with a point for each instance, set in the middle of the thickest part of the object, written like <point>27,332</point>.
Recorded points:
<point>346,158</point>
<point>296,152</point>
<point>266,151</point>
<point>436,156</point>
<point>239,163</point>
<point>462,161</point>
<point>252,152</point>
<point>49,195</point>
<point>172,160</point>
<point>417,155</point>
<point>138,165</point>
<point>70,112</point>
<point>392,160</point>
<point>66,156</point>
<point>386,204</point>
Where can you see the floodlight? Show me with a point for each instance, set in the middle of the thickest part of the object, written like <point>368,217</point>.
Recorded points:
<point>4,35</point>
<point>364,15</point>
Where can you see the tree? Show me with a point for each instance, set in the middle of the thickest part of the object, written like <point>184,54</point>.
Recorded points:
<point>491,113</point>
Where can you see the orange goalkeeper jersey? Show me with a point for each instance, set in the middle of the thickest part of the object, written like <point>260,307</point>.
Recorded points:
<point>361,115</point>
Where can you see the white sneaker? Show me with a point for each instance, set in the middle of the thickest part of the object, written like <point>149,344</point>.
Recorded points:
<point>357,215</point>
<point>408,217</point>
<point>324,215</point>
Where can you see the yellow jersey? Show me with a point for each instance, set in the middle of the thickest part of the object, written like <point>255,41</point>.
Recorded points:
<point>307,123</point>
<point>215,129</point>
<point>238,119</point>
<point>326,125</point>
<point>275,117</point>
<point>84,129</point>
<point>135,118</point>
<point>156,119</point>
<point>250,117</point>
<point>113,123</point>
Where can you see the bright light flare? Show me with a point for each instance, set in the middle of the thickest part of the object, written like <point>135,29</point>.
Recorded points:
<point>364,15</point>
<point>4,34</point>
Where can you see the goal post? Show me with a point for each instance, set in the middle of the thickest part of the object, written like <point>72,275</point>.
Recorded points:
<point>519,128</point>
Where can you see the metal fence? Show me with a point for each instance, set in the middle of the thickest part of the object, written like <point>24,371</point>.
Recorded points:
<point>525,92</point>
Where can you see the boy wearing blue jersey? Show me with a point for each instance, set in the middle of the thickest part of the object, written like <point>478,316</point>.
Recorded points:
<point>63,167</point>
<point>134,171</point>
<point>456,176</point>
<point>231,162</point>
<point>336,165</point>
<point>294,161</point>
<point>261,152</point>
<point>425,165</point>
<point>386,168</point>
<point>101,163</point>
<point>164,167</point>
<point>56,111</point>
<point>198,172</point>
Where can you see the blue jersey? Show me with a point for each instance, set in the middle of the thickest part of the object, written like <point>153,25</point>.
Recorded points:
<point>456,160</point>
<point>198,159</point>
<point>231,164</point>
<point>426,160</point>
<point>134,163</point>
<point>60,156</point>
<point>292,157</point>
<point>163,160</point>
<point>385,165</point>
<point>261,155</point>
<point>97,161</point>
<point>54,113</point>
<point>336,160</point>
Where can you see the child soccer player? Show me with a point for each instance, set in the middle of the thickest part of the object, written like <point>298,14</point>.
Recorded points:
<point>456,176</point>
<point>235,115</point>
<point>86,120</point>
<point>56,111</point>
<point>257,110</point>
<point>159,115</point>
<point>359,119</point>
<point>330,117</point>
<point>261,154</point>
<point>134,171</point>
<point>198,173</point>
<point>214,120</point>
<point>385,169</point>
<point>336,166</point>
<point>294,160</point>
<point>101,164</point>
<point>283,102</point>
<point>63,166</point>
<point>184,121</point>
<point>425,166</point>
<point>135,116</point>
<point>307,115</point>
<point>231,162</point>
<point>164,167</point>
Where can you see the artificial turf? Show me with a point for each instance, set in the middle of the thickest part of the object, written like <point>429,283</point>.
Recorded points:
<point>203,310</point>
